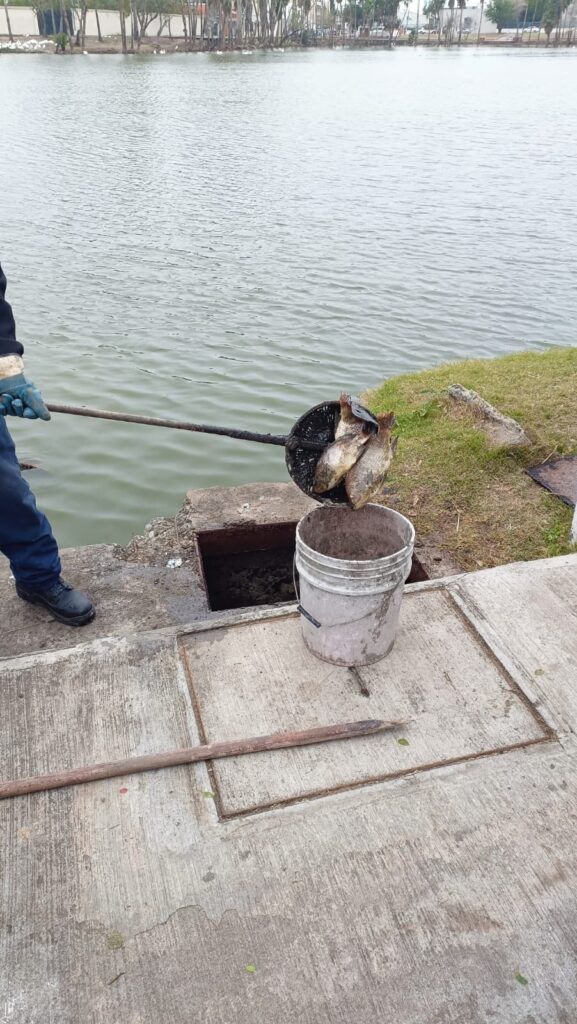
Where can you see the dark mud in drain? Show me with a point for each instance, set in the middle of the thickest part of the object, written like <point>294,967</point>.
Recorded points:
<point>248,565</point>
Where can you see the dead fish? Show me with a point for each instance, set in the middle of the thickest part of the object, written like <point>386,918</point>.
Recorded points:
<point>354,418</point>
<point>367,476</point>
<point>337,460</point>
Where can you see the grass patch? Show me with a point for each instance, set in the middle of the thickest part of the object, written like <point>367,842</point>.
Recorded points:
<point>472,501</point>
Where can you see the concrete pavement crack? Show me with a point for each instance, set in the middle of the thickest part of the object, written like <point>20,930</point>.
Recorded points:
<point>160,924</point>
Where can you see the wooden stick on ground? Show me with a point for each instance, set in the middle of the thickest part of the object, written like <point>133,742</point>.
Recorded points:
<point>188,755</point>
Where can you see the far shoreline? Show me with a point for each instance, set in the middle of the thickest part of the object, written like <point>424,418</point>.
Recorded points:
<point>162,46</point>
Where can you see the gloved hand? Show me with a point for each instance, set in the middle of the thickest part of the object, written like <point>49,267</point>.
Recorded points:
<point>18,396</point>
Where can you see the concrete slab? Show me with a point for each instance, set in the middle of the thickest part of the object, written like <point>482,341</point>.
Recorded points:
<point>250,503</point>
<point>527,612</point>
<point>132,587</point>
<point>130,597</point>
<point>217,508</point>
<point>442,897</point>
<point>108,699</point>
<point>457,700</point>
<point>419,901</point>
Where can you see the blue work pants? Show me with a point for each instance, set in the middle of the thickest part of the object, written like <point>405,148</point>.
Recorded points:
<point>25,534</point>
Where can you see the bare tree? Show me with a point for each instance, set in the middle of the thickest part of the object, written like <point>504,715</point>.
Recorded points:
<point>82,32</point>
<point>451,23</point>
<point>97,16</point>
<point>191,23</point>
<point>8,22</point>
<point>390,16</point>
<point>122,14</point>
<point>144,18</point>
<point>183,14</point>
<point>434,12</point>
<point>440,7</point>
<point>461,4</point>
<point>64,25</point>
<point>226,11</point>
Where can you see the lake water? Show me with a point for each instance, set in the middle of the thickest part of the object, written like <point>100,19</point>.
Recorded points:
<point>233,239</point>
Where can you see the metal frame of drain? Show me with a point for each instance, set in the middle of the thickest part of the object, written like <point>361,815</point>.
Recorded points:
<point>548,735</point>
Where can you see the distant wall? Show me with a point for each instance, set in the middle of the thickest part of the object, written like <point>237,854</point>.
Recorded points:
<point>25,23</point>
<point>22,19</point>
<point>110,25</point>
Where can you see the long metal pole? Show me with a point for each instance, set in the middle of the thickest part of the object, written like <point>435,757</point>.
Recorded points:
<point>282,440</point>
<point>189,755</point>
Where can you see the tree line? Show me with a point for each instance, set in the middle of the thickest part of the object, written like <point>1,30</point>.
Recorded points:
<point>210,24</point>
<point>206,24</point>
<point>445,17</point>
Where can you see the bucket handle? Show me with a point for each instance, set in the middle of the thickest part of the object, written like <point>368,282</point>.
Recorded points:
<point>300,609</point>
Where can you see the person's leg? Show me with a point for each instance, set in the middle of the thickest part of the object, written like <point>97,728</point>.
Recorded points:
<point>25,535</point>
<point>27,541</point>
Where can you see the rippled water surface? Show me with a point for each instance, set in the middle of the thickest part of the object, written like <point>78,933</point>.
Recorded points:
<point>232,239</point>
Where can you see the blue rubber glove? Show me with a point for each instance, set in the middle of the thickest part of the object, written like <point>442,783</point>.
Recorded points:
<point>19,397</point>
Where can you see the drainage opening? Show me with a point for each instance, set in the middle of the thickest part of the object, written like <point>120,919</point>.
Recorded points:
<point>251,565</point>
<point>248,565</point>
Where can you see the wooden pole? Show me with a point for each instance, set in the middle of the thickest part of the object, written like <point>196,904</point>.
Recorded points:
<point>189,755</point>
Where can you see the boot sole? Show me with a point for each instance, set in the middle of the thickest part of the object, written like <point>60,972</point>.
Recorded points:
<point>76,620</point>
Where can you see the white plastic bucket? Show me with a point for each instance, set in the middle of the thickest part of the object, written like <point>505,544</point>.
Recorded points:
<point>352,567</point>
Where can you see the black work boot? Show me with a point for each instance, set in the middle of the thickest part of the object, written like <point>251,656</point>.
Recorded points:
<point>62,601</point>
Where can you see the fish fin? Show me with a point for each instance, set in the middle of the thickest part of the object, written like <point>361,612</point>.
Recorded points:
<point>387,420</point>
<point>344,418</point>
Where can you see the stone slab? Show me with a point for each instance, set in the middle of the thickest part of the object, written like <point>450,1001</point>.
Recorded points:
<point>258,677</point>
<point>500,430</point>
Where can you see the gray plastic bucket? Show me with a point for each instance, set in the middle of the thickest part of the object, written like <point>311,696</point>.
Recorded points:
<point>352,568</point>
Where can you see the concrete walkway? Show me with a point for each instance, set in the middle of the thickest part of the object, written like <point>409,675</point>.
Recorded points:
<point>427,882</point>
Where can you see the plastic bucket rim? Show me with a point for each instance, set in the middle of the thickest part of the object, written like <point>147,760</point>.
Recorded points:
<point>346,585</point>
<point>383,560</point>
<point>356,569</point>
<point>377,576</point>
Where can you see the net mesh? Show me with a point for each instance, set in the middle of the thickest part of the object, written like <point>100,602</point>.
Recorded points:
<point>319,424</point>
